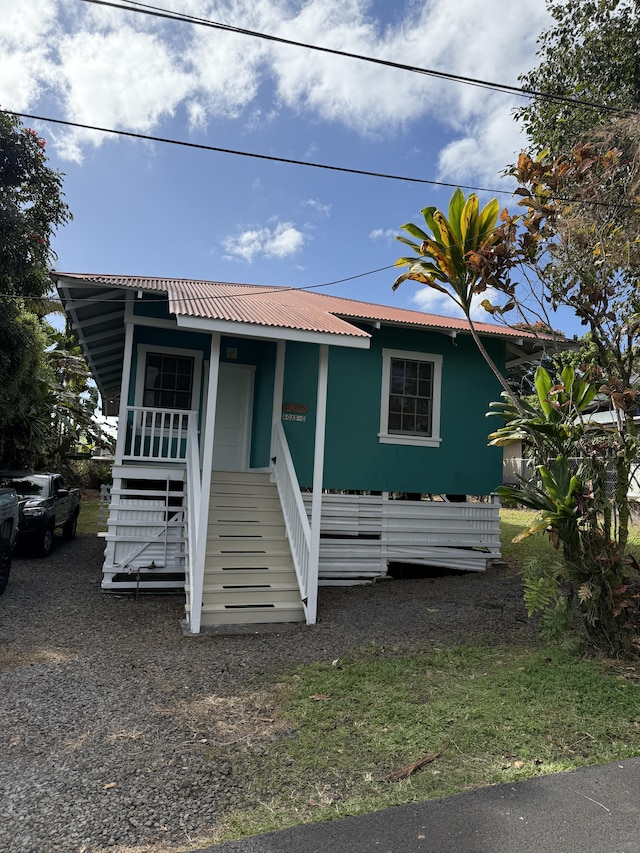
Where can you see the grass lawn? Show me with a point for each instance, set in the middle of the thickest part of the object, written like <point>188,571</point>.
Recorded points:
<point>490,715</point>
<point>88,518</point>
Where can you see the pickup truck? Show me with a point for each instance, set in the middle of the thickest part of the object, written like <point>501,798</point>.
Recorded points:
<point>45,505</point>
<point>9,514</point>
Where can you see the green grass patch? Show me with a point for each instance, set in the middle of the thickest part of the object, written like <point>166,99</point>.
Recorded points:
<point>514,521</point>
<point>494,714</point>
<point>88,518</point>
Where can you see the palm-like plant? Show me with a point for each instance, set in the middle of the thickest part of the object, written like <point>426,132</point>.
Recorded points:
<point>451,254</point>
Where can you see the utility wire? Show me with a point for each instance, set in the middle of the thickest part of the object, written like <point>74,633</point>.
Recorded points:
<point>155,11</point>
<point>273,158</point>
<point>202,147</point>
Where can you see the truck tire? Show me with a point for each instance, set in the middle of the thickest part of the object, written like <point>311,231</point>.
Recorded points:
<point>69,529</point>
<point>5,563</point>
<point>46,542</point>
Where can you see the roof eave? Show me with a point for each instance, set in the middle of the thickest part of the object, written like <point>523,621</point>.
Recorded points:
<point>237,329</point>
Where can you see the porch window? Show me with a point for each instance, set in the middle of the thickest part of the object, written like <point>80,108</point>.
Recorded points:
<point>168,381</point>
<point>410,398</point>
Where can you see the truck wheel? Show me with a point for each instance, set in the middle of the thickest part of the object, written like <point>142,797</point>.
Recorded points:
<point>46,543</point>
<point>5,563</point>
<point>70,528</point>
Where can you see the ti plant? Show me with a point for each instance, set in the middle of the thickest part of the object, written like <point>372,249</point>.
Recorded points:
<point>452,258</point>
<point>596,580</point>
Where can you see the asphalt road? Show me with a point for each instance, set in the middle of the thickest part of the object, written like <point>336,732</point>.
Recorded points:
<point>590,810</point>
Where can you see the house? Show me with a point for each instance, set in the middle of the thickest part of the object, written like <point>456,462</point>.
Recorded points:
<point>264,433</point>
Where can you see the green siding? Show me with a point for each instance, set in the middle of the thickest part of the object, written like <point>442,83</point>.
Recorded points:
<point>355,458</point>
<point>261,354</point>
<point>301,387</point>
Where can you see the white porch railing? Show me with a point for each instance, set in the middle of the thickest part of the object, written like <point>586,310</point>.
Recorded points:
<point>157,435</point>
<point>295,516</point>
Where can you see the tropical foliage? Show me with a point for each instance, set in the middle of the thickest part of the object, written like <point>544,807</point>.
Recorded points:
<point>590,53</point>
<point>47,403</point>
<point>452,257</point>
<point>597,582</point>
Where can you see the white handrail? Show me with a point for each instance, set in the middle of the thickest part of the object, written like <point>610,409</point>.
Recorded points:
<point>157,434</point>
<point>295,516</point>
<point>194,494</point>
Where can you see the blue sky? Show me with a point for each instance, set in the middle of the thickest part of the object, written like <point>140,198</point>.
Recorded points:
<point>143,208</point>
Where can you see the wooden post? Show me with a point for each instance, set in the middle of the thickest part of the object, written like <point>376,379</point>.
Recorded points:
<point>124,394</point>
<point>278,392</point>
<point>318,472</point>
<point>208,430</point>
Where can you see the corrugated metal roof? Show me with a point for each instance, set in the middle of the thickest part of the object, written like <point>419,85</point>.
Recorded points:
<point>283,307</point>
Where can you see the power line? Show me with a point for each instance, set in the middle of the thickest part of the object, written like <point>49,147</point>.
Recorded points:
<point>289,161</point>
<point>202,147</point>
<point>155,11</point>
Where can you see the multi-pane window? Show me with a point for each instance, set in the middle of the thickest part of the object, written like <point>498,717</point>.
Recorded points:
<point>168,381</point>
<point>411,397</point>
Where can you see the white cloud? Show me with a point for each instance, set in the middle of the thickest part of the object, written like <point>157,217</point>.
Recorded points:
<point>26,31</point>
<point>128,70</point>
<point>281,241</point>
<point>383,234</point>
<point>101,89</point>
<point>320,209</point>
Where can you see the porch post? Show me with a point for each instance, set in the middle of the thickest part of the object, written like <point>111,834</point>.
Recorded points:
<point>318,471</point>
<point>124,394</point>
<point>278,390</point>
<point>208,428</point>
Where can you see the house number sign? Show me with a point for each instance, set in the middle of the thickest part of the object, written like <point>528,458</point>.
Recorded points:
<point>294,412</point>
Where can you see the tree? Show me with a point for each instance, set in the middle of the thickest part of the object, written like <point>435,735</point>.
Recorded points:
<point>445,253</point>
<point>579,235</point>
<point>31,209</point>
<point>590,54</point>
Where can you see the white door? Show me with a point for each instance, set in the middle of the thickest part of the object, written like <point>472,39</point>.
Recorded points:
<point>232,437</point>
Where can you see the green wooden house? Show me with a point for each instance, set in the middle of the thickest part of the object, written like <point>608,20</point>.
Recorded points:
<point>269,438</point>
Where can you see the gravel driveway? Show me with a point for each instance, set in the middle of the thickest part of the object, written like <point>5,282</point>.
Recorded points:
<point>109,715</point>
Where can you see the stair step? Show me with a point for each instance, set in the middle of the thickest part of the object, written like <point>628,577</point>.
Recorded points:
<point>251,596</point>
<point>248,562</point>
<point>231,501</point>
<point>251,576</point>
<point>245,515</point>
<point>250,532</point>
<point>212,615</point>
<point>256,477</point>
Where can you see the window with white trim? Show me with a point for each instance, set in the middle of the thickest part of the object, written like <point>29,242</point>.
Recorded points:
<point>168,381</point>
<point>410,398</point>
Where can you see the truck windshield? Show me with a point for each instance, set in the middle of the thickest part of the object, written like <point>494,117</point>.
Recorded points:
<point>33,486</point>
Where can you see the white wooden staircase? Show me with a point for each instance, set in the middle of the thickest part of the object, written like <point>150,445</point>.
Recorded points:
<point>249,575</point>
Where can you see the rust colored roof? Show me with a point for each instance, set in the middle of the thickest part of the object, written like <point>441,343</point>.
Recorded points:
<point>283,307</point>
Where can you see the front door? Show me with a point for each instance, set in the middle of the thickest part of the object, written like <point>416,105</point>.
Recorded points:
<point>232,437</point>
